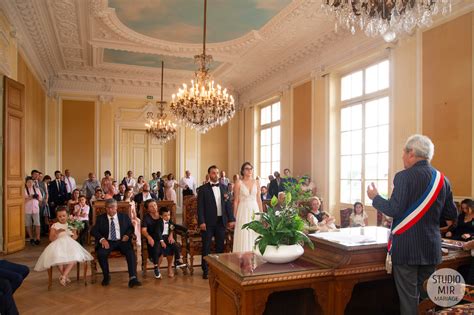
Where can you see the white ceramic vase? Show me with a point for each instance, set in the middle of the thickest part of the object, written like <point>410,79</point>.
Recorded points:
<point>282,254</point>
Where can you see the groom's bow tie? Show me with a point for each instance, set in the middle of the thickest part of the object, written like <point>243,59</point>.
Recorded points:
<point>214,185</point>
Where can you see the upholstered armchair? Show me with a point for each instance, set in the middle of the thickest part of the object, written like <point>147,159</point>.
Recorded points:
<point>98,208</point>
<point>345,217</point>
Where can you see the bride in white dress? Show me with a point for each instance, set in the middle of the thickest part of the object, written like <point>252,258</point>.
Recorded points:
<point>247,201</point>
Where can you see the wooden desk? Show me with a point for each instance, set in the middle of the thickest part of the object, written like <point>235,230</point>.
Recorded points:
<point>241,282</point>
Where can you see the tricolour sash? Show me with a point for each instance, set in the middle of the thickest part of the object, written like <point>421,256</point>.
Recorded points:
<point>415,212</point>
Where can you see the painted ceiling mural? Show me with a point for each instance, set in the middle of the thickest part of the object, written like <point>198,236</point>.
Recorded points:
<point>181,20</point>
<point>149,60</point>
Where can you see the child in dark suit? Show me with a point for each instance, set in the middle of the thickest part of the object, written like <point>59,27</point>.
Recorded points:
<point>169,246</point>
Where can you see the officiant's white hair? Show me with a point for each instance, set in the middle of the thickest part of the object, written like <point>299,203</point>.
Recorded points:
<point>421,145</point>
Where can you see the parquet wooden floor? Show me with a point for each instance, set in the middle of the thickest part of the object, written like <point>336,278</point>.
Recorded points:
<point>178,295</point>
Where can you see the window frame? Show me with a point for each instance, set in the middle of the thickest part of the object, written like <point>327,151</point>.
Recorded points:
<point>363,100</point>
<point>268,126</point>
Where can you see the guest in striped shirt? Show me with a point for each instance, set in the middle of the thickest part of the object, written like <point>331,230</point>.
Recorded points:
<point>417,250</point>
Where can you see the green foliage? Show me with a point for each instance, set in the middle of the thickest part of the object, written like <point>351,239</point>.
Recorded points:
<point>75,224</point>
<point>281,224</point>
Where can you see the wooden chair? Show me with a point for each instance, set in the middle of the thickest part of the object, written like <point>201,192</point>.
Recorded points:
<point>78,269</point>
<point>144,250</point>
<point>345,215</point>
<point>98,208</point>
<point>192,234</point>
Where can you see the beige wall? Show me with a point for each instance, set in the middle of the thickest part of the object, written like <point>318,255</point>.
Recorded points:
<point>35,106</point>
<point>447,99</point>
<point>78,140</point>
<point>302,135</point>
<point>215,149</point>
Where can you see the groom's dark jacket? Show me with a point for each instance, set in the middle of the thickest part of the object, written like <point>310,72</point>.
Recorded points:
<point>207,208</point>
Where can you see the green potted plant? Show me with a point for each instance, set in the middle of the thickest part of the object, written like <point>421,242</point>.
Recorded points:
<point>280,231</point>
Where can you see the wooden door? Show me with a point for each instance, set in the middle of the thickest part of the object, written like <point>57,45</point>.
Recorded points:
<point>140,153</point>
<point>13,166</point>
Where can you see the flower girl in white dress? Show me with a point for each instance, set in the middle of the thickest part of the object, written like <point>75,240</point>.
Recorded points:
<point>63,251</point>
<point>247,201</point>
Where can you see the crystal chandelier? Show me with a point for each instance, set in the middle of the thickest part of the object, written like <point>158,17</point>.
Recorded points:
<point>204,104</point>
<point>389,18</point>
<point>163,129</point>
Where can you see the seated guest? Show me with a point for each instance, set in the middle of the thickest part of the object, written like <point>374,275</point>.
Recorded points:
<point>120,196</point>
<point>81,212</point>
<point>170,248</point>
<point>144,196</point>
<point>63,251</point>
<point>74,198</point>
<point>7,302</point>
<point>464,229</point>
<point>11,278</point>
<point>151,231</point>
<point>315,214</point>
<point>98,195</point>
<point>308,185</point>
<point>138,187</point>
<point>33,197</point>
<point>264,193</point>
<point>114,231</point>
<point>133,215</point>
<point>309,226</point>
<point>358,217</point>
<point>327,224</point>
<point>470,246</point>
<point>281,201</point>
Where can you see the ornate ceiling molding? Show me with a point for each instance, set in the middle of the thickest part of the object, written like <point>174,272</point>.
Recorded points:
<point>64,40</point>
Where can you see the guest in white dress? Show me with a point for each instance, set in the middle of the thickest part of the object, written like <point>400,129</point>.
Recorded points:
<point>63,251</point>
<point>247,201</point>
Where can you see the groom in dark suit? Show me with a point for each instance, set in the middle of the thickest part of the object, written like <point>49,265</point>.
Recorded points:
<point>114,231</point>
<point>214,215</point>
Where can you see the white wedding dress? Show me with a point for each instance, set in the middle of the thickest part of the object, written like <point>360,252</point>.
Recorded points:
<point>244,240</point>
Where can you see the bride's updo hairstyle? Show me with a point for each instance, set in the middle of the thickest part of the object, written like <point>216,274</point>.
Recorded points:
<point>243,168</point>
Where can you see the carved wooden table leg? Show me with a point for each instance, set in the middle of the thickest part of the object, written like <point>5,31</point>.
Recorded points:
<point>322,296</point>
<point>343,293</point>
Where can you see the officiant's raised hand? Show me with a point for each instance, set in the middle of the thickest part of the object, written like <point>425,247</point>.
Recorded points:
<point>372,191</point>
